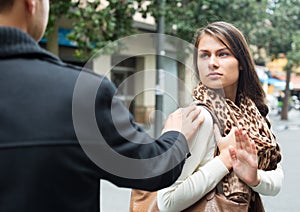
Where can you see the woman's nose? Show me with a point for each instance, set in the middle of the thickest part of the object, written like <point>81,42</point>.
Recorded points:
<point>213,62</point>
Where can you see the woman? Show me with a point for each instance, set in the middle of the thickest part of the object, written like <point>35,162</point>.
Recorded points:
<point>248,159</point>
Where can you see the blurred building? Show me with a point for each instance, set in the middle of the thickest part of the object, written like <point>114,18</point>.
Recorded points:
<point>276,68</point>
<point>133,70</point>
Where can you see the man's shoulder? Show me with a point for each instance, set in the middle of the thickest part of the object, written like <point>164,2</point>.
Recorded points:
<point>87,77</point>
<point>76,69</point>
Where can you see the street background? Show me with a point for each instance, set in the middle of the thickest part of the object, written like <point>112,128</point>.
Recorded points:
<point>114,199</point>
<point>288,134</point>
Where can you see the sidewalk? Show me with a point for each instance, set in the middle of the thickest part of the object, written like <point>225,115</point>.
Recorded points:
<point>293,122</point>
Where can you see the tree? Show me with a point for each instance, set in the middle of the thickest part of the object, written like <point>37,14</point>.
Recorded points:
<point>285,39</point>
<point>57,9</point>
<point>183,17</point>
<point>294,54</point>
<point>285,22</point>
<point>95,23</point>
<point>293,62</point>
<point>267,24</point>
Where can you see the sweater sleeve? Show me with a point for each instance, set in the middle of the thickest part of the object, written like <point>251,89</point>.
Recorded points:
<point>200,174</point>
<point>270,181</point>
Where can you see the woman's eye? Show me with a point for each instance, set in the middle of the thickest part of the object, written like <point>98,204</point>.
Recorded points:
<point>224,54</point>
<point>203,55</point>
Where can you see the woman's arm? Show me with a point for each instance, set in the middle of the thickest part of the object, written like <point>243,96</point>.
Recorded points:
<point>200,174</point>
<point>270,181</point>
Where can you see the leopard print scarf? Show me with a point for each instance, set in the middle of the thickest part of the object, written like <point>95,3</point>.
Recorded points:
<point>248,117</point>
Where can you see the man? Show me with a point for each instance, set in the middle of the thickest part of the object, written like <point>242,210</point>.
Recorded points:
<point>43,126</point>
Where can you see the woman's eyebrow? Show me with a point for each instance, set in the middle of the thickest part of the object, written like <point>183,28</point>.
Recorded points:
<point>218,50</point>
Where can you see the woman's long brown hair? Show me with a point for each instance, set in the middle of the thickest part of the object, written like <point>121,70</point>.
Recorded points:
<point>248,82</point>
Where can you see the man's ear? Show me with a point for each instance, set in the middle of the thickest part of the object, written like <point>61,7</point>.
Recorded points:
<point>31,6</point>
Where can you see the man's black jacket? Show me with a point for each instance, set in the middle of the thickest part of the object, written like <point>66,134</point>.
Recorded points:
<point>44,112</point>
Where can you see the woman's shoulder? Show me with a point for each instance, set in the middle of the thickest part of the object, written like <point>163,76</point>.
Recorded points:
<point>208,118</point>
<point>205,134</point>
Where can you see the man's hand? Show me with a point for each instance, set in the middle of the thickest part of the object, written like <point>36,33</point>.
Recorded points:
<point>185,120</point>
<point>244,159</point>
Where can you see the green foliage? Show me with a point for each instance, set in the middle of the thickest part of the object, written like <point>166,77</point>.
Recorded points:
<point>294,54</point>
<point>57,9</point>
<point>285,34</point>
<point>285,21</point>
<point>94,25</point>
<point>183,17</point>
<point>267,24</point>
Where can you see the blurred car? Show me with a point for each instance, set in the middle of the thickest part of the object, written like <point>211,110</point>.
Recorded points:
<point>272,103</point>
<point>295,102</point>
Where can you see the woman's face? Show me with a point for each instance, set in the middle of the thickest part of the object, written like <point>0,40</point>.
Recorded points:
<point>218,68</point>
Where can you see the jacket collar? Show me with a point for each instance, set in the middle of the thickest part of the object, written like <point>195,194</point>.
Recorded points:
<point>16,43</point>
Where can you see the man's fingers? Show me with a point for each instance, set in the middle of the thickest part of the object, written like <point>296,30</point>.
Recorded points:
<point>196,114</point>
<point>187,110</point>
<point>192,112</point>
<point>201,118</point>
<point>185,120</point>
<point>196,118</point>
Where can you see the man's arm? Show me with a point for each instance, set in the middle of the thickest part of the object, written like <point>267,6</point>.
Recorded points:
<point>128,155</point>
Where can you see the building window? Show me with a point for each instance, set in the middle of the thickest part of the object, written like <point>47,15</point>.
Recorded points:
<point>120,76</point>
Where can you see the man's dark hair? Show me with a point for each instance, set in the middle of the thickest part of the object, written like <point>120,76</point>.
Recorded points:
<point>6,4</point>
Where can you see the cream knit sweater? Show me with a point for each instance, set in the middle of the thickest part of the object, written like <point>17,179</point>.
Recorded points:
<point>202,172</point>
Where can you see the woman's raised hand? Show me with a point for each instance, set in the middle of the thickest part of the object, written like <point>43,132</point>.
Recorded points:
<point>244,158</point>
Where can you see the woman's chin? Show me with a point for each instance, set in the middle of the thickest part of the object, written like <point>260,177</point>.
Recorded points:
<point>214,85</point>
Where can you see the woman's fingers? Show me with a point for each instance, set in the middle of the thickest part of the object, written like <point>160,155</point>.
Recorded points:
<point>253,149</point>
<point>232,152</point>
<point>238,137</point>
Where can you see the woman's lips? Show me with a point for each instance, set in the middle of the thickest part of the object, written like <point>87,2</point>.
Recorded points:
<point>214,75</point>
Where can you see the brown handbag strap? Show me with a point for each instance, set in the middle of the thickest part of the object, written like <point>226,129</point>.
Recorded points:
<point>215,121</point>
